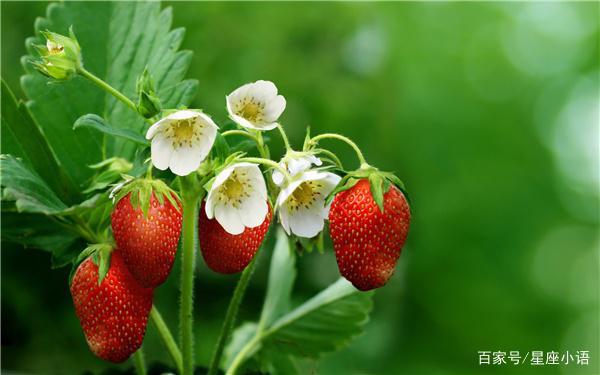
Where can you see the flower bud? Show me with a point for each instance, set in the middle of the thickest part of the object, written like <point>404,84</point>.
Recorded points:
<point>60,57</point>
<point>148,101</point>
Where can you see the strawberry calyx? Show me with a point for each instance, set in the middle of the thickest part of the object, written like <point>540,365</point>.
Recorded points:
<point>100,254</point>
<point>141,190</point>
<point>379,181</point>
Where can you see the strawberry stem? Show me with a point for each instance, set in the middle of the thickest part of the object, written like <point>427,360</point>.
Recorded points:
<point>286,141</point>
<point>139,362</point>
<point>232,310</point>
<point>359,154</point>
<point>191,196</point>
<point>167,338</point>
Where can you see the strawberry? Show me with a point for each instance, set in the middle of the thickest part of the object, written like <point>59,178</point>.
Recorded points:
<point>367,240</point>
<point>147,233</point>
<point>113,313</point>
<point>228,253</point>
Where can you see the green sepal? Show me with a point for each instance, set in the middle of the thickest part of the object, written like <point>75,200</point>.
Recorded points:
<point>376,184</point>
<point>141,190</point>
<point>100,254</point>
<point>149,104</point>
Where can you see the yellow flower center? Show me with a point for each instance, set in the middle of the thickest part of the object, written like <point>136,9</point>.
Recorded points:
<point>184,132</point>
<point>235,188</point>
<point>304,195</point>
<point>250,109</point>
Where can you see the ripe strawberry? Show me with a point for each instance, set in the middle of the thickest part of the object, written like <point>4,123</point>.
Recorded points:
<point>227,253</point>
<point>148,242</point>
<point>114,313</point>
<point>367,242</point>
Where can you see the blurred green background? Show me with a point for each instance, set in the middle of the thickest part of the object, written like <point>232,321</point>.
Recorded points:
<point>487,111</point>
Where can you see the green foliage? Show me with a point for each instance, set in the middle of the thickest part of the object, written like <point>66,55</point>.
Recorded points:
<point>49,162</point>
<point>21,137</point>
<point>325,323</point>
<point>125,36</point>
<point>27,189</point>
<point>96,122</point>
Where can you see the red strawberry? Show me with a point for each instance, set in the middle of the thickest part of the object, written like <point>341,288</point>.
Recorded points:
<point>114,314</point>
<point>227,253</point>
<point>148,243</point>
<point>367,242</point>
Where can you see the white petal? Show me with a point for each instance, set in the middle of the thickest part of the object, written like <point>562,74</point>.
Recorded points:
<point>161,150</point>
<point>256,179</point>
<point>229,219</point>
<point>277,177</point>
<point>297,165</point>
<point>315,160</point>
<point>305,223</point>
<point>183,114</point>
<point>263,90</point>
<point>209,207</point>
<point>222,177</point>
<point>284,219</point>
<point>285,193</point>
<point>185,160</point>
<point>253,211</point>
<point>274,109</point>
<point>156,127</point>
<point>245,123</point>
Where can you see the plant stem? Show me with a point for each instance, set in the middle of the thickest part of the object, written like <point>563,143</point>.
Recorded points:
<point>263,149</point>
<point>286,141</point>
<point>139,362</point>
<point>108,88</point>
<point>167,338</point>
<point>361,158</point>
<point>242,354</point>
<point>190,195</point>
<point>269,163</point>
<point>239,132</point>
<point>230,316</point>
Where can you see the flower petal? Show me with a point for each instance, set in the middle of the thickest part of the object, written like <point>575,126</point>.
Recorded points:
<point>183,114</point>
<point>229,219</point>
<point>253,210</point>
<point>156,127</point>
<point>274,109</point>
<point>185,160</point>
<point>306,223</point>
<point>161,150</point>
<point>284,219</point>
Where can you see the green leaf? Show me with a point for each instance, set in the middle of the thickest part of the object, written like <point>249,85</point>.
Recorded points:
<point>96,122</point>
<point>282,274</point>
<point>22,138</point>
<point>325,323</point>
<point>25,187</point>
<point>118,40</point>
<point>37,231</point>
<point>240,337</point>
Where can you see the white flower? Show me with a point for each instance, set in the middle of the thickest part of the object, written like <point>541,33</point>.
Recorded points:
<point>238,198</point>
<point>295,165</point>
<point>301,204</point>
<point>181,141</point>
<point>256,105</point>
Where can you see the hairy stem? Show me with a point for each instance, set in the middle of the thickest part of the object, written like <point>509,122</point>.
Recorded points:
<point>190,198</point>
<point>108,88</point>
<point>270,163</point>
<point>230,316</point>
<point>167,338</point>
<point>361,158</point>
<point>139,362</point>
<point>239,132</point>
<point>284,136</point>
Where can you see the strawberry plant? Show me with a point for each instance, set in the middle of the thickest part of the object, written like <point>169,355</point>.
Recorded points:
<point>117,177</point>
